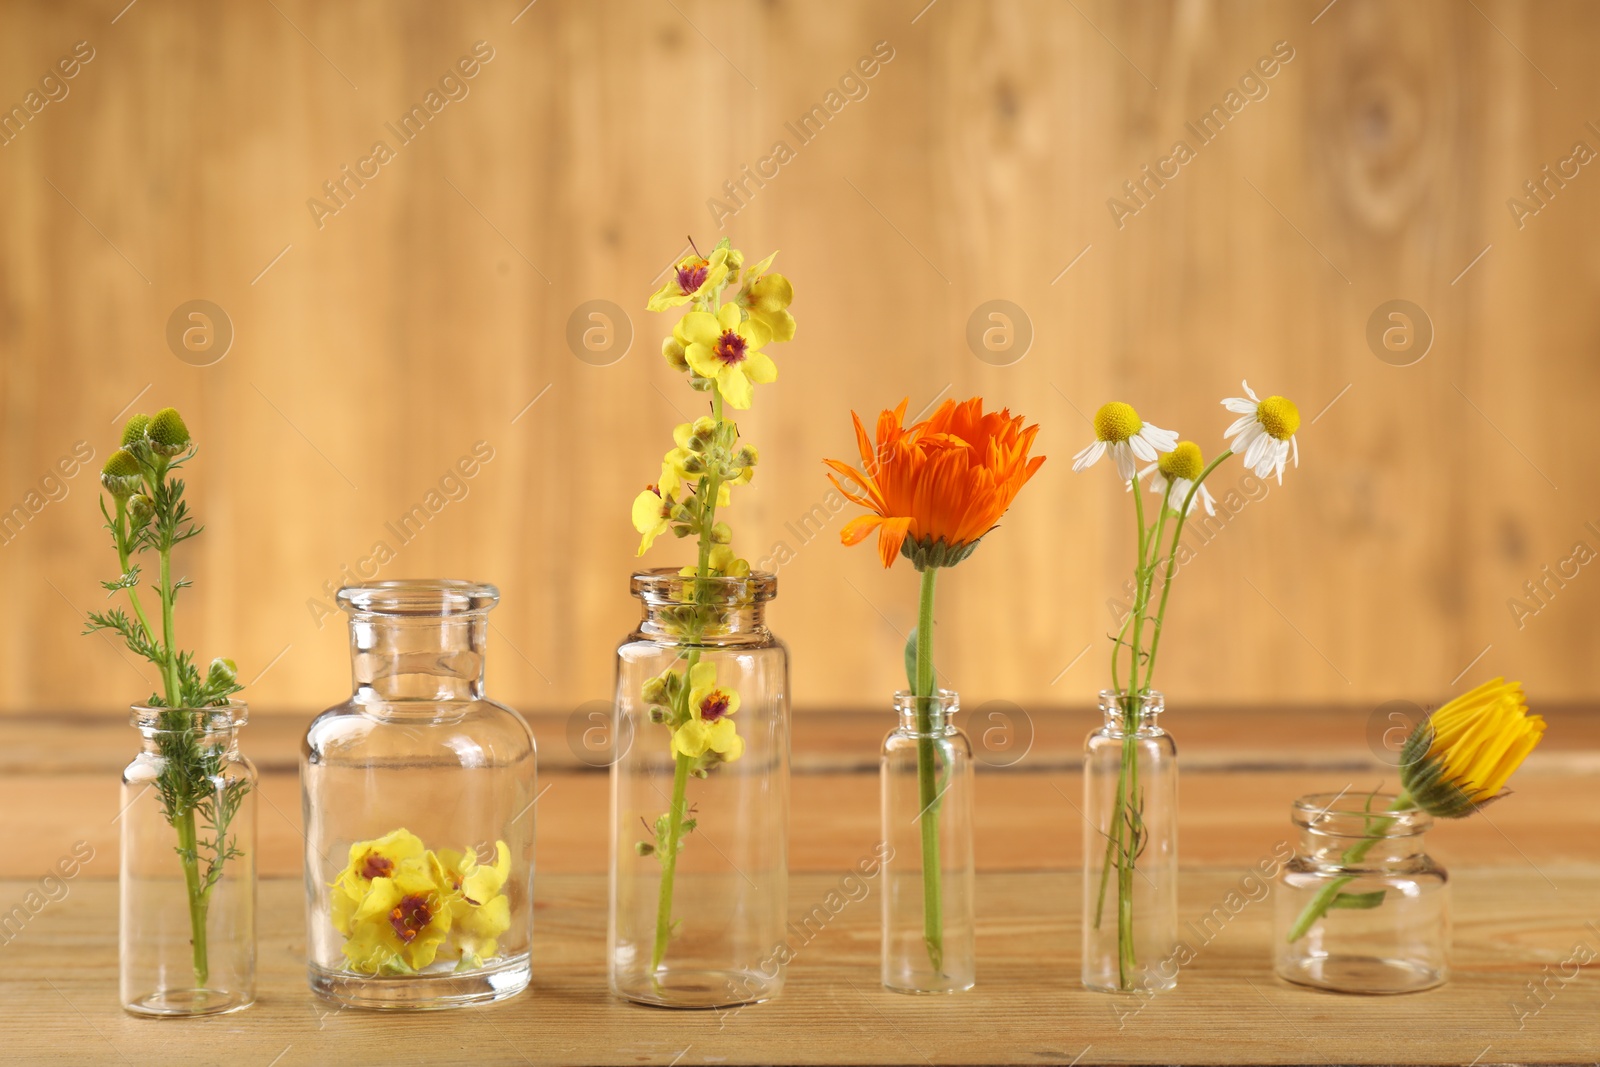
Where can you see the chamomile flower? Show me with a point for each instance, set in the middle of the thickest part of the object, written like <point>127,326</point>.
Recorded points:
<point>1264,432</point>
<point>1175,474</point>
<point>1118,429</point>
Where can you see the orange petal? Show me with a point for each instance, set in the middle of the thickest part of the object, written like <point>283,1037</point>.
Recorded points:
<point>891,534</point>
<point>856,530</point>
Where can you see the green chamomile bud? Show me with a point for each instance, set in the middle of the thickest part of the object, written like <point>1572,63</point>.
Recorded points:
<point>134,430</point>
<point>721,533</point>
<point>140,510</point>
<point>167,433</point>
<point>223,672</point>
<point>121,475</point>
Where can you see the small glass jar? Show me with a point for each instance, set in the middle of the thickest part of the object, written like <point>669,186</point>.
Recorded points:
<point>1130,849</point>
<point>926,779</point>
<point>188,881</point>
<point>700,797</point>
<point>418,796</point>
<point>1362,908</point>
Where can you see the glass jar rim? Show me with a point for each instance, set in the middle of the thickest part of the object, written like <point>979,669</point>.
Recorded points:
<point>947,701</point>
<point>663,584</point>
<point>418,597</point>
<point>1346,814</point>
<point>233,714</point>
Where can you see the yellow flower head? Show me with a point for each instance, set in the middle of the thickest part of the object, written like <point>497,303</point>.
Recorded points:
<point>767,298</point>
<point>370,860</point>
<point>710,723</point>
<point>479,911</point>
<point>402,920</point>
<point>1115,422</point>
<point>1184,461</point>
<point>691,278</point>
<point>1460,757</point>
<point>652,515</point>
<point>727,347</point>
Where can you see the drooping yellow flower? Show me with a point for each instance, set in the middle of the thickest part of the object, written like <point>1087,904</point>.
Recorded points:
<point>691,278</point>
<point>710,723</point>
<point>370,860</point>
<point>652,515</point>
<point>767,298</point>
<point>402,920</point>
<point>1460,757</point>
<point>479,911</point>
<point>727,347</point>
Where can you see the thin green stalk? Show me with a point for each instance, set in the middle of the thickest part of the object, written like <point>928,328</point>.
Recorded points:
<point>1318,906</point>
<point>927,786</point>
<point>709,488</point>
<point>188,839</point>
<point>1172,557</point>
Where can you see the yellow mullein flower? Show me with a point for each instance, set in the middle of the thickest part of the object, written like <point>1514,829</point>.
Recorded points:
<point>402,920</point>
<point>709,726</point>
<point>370,860</point>
<point>767,297</point>
<point>479,912</point>
<point>684,463</point>
<point>727,347</point>
<point>691,277</point>
<point>1461,756</point>
<point>652,515</point>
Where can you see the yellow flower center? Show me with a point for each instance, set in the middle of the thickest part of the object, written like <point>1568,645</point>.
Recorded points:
<point>1279,417</point>
<point>1184,461</point>
<point>410,917</point>
<point>1116,421</point>
<point>692,274</point>
<point>376,866</point>
<point>714,706</point>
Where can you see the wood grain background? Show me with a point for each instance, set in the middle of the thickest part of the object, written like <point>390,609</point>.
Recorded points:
<point>375,347</point>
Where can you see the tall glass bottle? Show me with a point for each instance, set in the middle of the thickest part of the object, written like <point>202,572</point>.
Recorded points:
<point>700,796</point>
<point>188,881</point>
<point>926,778</point>
<point>418,794</point>
<point>1130,849</point>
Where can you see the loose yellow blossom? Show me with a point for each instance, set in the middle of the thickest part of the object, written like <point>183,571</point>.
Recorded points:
<point>710,725</point>
<point>402,920</point>
<point>727,347</point>
<point>691,277</point>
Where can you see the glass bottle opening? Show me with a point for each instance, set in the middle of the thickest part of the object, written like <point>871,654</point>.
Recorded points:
<point>419,596</point>
<point>691,609</point>
<point>221,717</point>
<point>942,707</point>
<point>1357,816</point>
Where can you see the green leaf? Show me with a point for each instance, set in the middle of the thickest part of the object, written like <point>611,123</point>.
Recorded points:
<point>911,661</point>
<point>1358,901</point>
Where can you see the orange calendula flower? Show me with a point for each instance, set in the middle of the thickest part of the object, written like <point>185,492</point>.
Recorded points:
<point>935,488</point>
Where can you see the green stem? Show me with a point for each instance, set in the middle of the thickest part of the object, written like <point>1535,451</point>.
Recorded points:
<point>927,784</point>
<point>189,851</point>
<point>710,486</point>
<point>1172,556</point>
<point>1318,906</point>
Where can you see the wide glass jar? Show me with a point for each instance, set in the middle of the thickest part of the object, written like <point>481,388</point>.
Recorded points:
<point>700,796</point>
<point>1362,908</point>
<point>1130,849</point>
<point>418,795</point>
<point>926,780</point>
<point>188,875</point>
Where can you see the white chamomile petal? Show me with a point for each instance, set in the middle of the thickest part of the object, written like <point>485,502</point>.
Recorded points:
<point>1240,406</point>
<point>1204,496</point>
<point>1249,392</point>
<point>1162,440</point>
<point>1240,423</point>
<point>1124,459</point>
<point>1089,456</point>
<point>1141,447</point>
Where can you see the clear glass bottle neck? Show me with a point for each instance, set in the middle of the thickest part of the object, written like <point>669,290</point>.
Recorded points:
<point>1128,714</point>
<point>932,716</point>
<point>704,611</point>
<point>397,660</point>
<point>1340,829</point>
<point>210,728</point>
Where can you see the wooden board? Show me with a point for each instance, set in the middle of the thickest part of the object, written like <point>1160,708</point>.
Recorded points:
<point>58,993</point>
<point>373,350</point>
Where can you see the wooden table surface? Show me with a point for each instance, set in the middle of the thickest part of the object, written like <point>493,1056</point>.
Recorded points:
<point>1527,894</point>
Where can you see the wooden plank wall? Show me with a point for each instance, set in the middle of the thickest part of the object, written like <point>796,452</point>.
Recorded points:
<point>374,347</point>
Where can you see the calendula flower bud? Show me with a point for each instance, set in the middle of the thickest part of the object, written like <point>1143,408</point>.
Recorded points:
<point>673,352</point>
<point>167,433</point>
<point>721,533</point>
<point>121,475</point>
<point>140,510</point>
<point>134,429</point>
<point>223,672</point>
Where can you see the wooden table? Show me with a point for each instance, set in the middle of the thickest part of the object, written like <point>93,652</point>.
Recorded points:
<point>1527,891</point>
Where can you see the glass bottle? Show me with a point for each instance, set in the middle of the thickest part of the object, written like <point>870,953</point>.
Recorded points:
<point>418,795</point>
<point>188,923</point>
<point>1130,849</point>
<point>1361,907</point>
<point>926,779</point>
<point>700,796</point>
